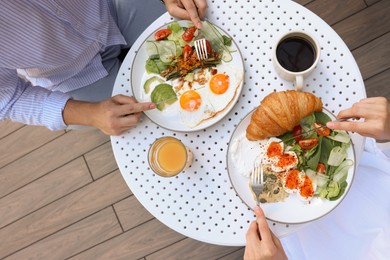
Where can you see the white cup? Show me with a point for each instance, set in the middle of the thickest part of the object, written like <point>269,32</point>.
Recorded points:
<point>295,64</point>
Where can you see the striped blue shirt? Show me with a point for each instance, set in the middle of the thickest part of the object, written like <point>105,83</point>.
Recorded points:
<point>56,45</point>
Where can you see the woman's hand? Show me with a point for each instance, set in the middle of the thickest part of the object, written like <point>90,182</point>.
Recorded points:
<point>193,10</point>
<point>112,116</point>
<point>261,243</point>
<point>376,114</point>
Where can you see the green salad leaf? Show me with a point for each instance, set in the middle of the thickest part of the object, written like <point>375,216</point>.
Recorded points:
<point>322,117</point>
<point>331,150</point>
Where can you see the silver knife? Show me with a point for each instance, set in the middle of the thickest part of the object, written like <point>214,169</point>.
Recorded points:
<point>317,128</point>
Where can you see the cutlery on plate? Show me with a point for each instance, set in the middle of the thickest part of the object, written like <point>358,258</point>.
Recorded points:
<point>256,182</point>
<point>317,128</point>
<point>201,49</point>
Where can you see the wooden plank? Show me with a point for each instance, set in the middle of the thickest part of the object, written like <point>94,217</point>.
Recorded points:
<point>44,191</point>
<point>192,249</point>
<point>7,127</point>
<point>374,57</point>
<point>333,11</point>
<point>237,255</point>
<point>48,157</point>
<point>378,85</point>
<point>101,160</point>
<point>303,2</point>
<point>131,213</point>
<point>73,239</point>
<point>63,212</point>
<point>23,141</point>
<point>371,2</point>
<point>365,26</point>
<point>135,243</point>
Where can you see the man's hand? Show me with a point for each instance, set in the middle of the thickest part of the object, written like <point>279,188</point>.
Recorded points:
<point>261,243</point>
<point>193,10</point>
<point>376,114</point>
<point>112,116</point>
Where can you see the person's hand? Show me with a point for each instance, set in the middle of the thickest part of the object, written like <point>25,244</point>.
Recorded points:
<point>118,114</point>
<point>261,243</point>
<point>376,114</point>
<point>112,116</point>
<point>193,10</point>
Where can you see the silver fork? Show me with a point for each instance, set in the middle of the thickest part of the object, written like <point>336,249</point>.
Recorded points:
<point>257,181</point>
<point>201,49</point>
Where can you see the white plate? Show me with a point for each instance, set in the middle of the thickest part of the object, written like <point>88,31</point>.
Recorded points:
<point>293,210</point>
<point>173,122</point>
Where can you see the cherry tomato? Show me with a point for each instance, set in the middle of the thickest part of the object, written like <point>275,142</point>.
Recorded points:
<point>208,47</point>
<point>321,168</point>
<point>187,51</point>
<point>323,131</point>
<point>297,131</point>
<point>189,34</point>
<point>308,143</point>
<point>162,34</point>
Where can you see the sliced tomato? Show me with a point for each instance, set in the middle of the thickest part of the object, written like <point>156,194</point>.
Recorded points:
<point>208,47</point>
<point>187,51</point>
<point>323,131</point>
<point>308,143</point>
<point>162,34</point>
<point>321,168</point>
<point>297,131</point>
<point>189,33</point>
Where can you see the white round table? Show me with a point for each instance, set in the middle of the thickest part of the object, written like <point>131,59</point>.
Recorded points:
<point>201,203</point>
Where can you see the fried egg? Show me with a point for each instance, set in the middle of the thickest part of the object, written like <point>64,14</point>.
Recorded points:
<point>204,94</point>
<point>194,107</point>
<point>223,82</point>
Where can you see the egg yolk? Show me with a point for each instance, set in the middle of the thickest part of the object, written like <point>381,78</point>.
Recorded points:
<point>190,100</point>
<point>219,83</point>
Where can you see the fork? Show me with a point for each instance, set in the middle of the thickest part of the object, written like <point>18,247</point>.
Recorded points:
<point>257,181</point>
<point>201,49</point>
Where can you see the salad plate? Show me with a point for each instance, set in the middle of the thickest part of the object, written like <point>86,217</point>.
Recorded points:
<point>293,209</point>
<point>173,117</point>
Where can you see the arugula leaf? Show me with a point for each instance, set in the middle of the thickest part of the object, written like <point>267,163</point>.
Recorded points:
<point>314,160</point>
<point>286,136</point>
<point>326,147</point>
<point>308,121</point>
<point>322,117</point>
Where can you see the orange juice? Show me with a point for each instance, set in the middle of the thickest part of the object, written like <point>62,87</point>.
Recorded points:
<point>168,156</point>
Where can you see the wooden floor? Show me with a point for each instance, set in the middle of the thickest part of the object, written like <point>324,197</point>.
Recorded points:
<point>62,195</point>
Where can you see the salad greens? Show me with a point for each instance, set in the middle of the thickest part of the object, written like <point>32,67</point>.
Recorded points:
<point>326,162</point>
<point>217,41</point>
<point>163,54</point>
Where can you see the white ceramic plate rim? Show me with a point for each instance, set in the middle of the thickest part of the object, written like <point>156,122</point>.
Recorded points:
<point>173,122</point>
<point>293,210</point>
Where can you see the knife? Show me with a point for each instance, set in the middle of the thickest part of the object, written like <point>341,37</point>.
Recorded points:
<point>317,128</point>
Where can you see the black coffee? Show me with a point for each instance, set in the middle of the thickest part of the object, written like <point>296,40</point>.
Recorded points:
<point>295,54</point>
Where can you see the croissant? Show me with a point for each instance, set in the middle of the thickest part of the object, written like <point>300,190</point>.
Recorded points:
<point>279,112</point>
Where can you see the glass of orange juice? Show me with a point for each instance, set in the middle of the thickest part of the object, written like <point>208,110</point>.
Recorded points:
<point>168,156</point>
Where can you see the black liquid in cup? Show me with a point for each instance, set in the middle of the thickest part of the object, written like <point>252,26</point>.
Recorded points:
<point>295,54</point>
